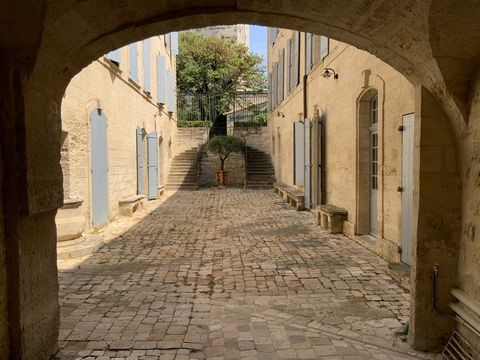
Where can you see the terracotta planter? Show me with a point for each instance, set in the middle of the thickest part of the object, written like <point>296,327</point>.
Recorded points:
<point>221,178</point>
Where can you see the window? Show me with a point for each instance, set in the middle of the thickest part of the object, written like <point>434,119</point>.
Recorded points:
<point>374,160</point>
<point>374,110</point>
<point>374,143</point>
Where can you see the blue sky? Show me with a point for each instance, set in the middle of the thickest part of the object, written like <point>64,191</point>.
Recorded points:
<point>258,41</point>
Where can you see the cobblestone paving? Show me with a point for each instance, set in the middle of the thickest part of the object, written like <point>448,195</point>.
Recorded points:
<point>230,274</point>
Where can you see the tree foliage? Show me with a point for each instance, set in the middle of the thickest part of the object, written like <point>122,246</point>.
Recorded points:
<point>215,67</point>
<point>223,146</point>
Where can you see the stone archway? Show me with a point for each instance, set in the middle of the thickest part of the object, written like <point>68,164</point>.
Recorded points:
<point>45,43</point>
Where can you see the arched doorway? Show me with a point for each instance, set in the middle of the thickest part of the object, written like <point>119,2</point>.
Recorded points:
<point>368,164</point>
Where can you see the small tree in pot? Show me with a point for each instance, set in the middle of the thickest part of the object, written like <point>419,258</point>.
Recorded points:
<point>223,146</point>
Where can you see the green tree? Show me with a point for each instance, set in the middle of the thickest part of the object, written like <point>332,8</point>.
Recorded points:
<point>215,67</point>
<point>223,146</point>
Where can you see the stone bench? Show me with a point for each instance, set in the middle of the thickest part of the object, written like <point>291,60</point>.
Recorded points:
<point>291,195</point>
<point>127,206</point>
<point>331,218</point>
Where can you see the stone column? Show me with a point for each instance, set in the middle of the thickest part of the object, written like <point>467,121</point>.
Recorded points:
<point>31,193</point>
<point>437,198</point>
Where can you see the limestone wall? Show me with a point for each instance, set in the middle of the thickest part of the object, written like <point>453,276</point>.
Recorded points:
<point>469,246</point>
<point>188,138</point>
<point>235,165</point>
<point>336,101</point>
<point>126,106</point>
<point>258,138</point>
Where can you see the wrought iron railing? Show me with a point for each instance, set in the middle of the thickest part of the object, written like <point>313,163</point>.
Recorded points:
<point>246,108</point>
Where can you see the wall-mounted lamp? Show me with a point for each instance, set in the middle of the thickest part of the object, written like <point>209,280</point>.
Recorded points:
<point>280,114</point>
<point>328,72</point>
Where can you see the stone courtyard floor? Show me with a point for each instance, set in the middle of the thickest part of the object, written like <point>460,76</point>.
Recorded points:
<point>229,274</point>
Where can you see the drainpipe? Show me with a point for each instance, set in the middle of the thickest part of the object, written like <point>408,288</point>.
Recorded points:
<point>321,159</point>
<point>305,78</point>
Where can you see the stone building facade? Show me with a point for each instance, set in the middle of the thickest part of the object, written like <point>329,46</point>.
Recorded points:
<point>239,33</point>
<point>356,107</point>
<point>434,44</point>
<point>118,131</point>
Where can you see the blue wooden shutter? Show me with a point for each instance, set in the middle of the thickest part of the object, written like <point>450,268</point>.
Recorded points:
<point>99,158</point>
<point>114,56</point>
<point>296,64</point>
<point>275,85</point>
<point>161,79</point>
<point>152,165</point>
<point>269,90</point>
<point>308,53</point>
<point>147,83</point>
<point>171,91</point>
<point>133,62</point>
<point>289,65</point>
<point>298,150</point>
<point>139,162</point>
<point>324,47</point>
<point>168,41</point>
<point>281,76</point>
<point>174,36</point>
<point>307,186</point>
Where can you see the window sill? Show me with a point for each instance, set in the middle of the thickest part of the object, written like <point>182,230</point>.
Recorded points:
<point>113,65</point>
<point>134,83</point>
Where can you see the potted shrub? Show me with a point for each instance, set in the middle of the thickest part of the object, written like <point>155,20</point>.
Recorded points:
<point>223,146</point>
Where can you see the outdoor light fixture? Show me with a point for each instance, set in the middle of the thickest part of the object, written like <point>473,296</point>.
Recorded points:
<point>328,72</point>
<point>280,114</point>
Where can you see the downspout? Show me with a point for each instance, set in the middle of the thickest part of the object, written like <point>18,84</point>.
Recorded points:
<point>305,78</point>
<point>321,159</point>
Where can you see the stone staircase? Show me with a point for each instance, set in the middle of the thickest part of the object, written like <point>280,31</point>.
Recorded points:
<point>259,169</point>
<point>183,171</point>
